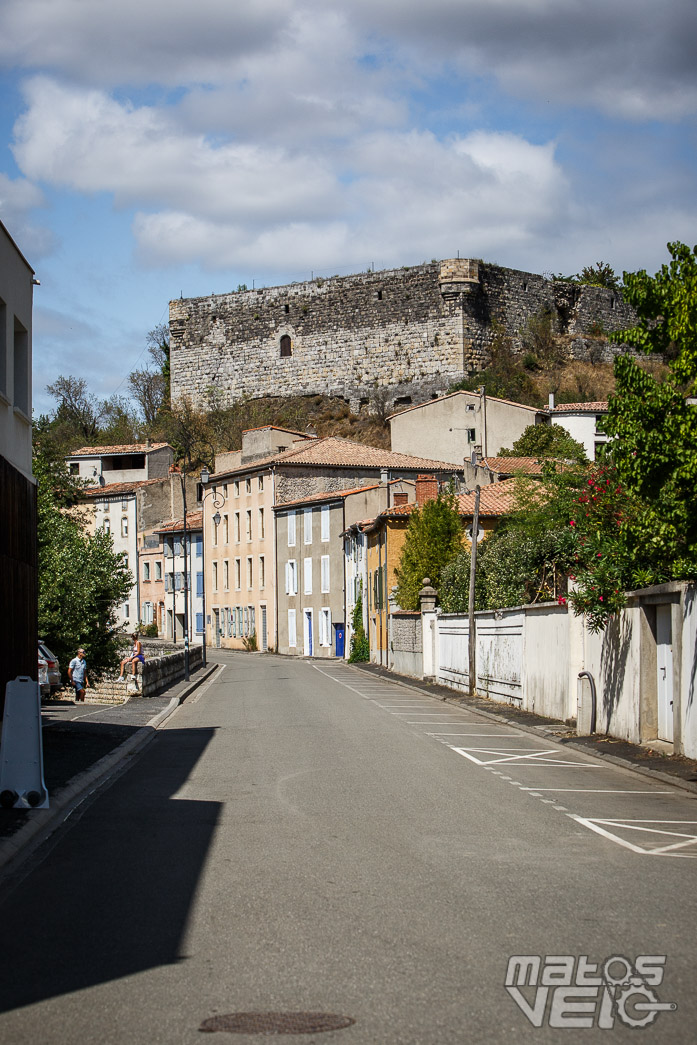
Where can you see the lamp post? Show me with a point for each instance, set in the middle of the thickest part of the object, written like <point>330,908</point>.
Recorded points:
<point>218,502</point>
<point>182,479</point>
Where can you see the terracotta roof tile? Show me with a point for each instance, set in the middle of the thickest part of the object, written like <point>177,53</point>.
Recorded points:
<point>129,448</point>
<point>580,408</point>
<point>194,521</point>
<point>326,495</point>
<point>278,428</point>
<point>343,453</point>
<point>509,465</point>
<point>113,489</point>
<point>494,500</point>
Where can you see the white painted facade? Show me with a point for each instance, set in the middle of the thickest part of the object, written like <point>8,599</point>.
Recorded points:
<point>582,425</point>
<point>645,675</point>
<point>16,298</point>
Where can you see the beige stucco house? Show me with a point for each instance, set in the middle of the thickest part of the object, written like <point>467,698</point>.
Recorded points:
<point>274,467</point>
<point>452,427</point>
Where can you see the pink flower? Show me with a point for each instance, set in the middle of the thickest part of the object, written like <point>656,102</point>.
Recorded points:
<point>600,598</point>
<point>572,522</point>
<point>600,555</point>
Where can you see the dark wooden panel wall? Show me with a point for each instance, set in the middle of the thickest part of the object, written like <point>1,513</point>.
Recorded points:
<point>18,577</point>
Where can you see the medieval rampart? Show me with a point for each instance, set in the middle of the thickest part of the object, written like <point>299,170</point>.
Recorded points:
<point>408,333</point>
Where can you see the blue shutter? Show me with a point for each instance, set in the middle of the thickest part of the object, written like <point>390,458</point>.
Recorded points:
<point>199,623</point>
<point>199,583</point>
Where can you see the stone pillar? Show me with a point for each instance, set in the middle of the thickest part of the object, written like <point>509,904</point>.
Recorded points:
<point>427,598</point>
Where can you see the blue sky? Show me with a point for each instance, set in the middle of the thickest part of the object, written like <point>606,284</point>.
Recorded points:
<point>157,147</point>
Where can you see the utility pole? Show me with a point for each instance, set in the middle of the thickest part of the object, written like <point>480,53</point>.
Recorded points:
<point>473,572</point>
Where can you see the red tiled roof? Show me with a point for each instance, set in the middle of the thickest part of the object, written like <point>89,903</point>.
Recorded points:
<point>509,465</point>
<point>494,500</point>
<point>327,495</point>
<point>129,448</point>
<point>343,453</point>
<point>114,489</point>
<point>580,408</point>
<point>461,392</point>
<point>194,521</point>
<point>278,428</point>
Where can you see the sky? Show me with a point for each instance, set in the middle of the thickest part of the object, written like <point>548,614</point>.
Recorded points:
<point>157,148</point>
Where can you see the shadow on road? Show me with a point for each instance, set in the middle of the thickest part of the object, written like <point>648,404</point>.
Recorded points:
<point>113,896</point>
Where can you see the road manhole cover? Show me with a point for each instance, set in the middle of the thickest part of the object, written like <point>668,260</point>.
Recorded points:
<point>276,1023</point>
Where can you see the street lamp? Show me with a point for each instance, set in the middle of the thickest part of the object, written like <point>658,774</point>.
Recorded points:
<point>218,502</point>
<point>182,479</point>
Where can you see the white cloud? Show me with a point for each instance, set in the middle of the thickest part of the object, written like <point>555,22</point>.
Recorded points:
<point>18,197</point>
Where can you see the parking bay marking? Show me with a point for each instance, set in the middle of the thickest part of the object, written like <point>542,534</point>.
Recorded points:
<point>601,827</point>
<point>520,756</point>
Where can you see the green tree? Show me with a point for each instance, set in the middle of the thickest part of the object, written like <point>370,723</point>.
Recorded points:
<point>666,306</point>
<point>546,441</point>
<point>433,539</point>
<point>360,644</point>
<point>81,579</point>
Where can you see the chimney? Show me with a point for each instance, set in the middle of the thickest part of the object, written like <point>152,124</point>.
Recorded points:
<point>384,476</point>
<point>551,400</point>
<point>426,488</point>
<point>147,443</point>
<point>401,497</point>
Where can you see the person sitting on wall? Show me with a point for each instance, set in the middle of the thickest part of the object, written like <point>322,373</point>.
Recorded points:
<point>136,655</point>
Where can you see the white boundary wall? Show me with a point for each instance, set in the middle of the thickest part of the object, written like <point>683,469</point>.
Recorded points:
<point>531,656</point>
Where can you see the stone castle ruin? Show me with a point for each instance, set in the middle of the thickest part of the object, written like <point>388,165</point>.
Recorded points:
<point>404,334</point>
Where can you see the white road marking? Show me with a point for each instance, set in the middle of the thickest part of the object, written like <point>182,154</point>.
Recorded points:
<point>596,791</point>
<point>596,824</point>
<point>518,755</point>
<point>435,733</point>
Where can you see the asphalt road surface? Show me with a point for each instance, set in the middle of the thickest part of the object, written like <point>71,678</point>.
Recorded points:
<point>307,840</point>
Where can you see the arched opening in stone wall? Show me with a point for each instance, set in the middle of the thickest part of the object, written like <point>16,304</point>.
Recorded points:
<point>286,346</point>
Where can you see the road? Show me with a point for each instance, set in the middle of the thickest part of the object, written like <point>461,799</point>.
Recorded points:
<point>303,837</point>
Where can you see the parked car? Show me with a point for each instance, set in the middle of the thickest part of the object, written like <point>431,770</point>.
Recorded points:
<point>54,668</point>
<point>44,684</point>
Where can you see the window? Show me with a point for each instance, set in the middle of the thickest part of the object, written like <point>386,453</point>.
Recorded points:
<point>261,482</point>
<point>249,571</point>
<point>236,487</point>
<point>291,577</point>
<point>324,516</point>
<point>158,570</point>
<point>226,529</point>
<point>400,498</point>
<point>124,527</point>
<point>215,576</point>
<point>146,573</point>
<point>248,486</point>
<point>307,525</point>
<point>198,539</point>
<point>22,371</point>
<point>107,525</point>
<point>214,531</point>
<point>238,574</point>
<point>199,624</point>
<point>472,435</point>
<point>106,506</point>
<point>249,524</point>
<point>262,572</point>
<point>226,575</point>
<point>325,627</point>
<point>225,491</point>
<point>147,613</point>
<point>125,559</point>
<point>324,583</point>
<point>307,576</point>
<point>124,506</point>
<point>291,530</point>
<point>292,634</point>
<point>234,622</point>
<point>261,524</point>
<point>126,611</point>
<point>237,527</point>
<point>75,470</point>
<point>286,346</point>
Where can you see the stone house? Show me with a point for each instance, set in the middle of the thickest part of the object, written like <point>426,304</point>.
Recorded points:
<point>482,472</point>
<point>276,466</point>
<point>312,567</point>
<point>455,426</point>
<point>129,511</point>
<point>18,556</point>
<point>174,546</point>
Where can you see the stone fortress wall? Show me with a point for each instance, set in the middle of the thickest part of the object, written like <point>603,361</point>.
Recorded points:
<point>406,334</point>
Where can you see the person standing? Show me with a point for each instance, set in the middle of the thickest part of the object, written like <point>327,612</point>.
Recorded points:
<point>77,673</point>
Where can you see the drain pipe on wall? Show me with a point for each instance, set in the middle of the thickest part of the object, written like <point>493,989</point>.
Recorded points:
<point>594,698</point>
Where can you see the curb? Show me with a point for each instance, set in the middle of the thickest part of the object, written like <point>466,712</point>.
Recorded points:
<point>43,821</point>
<point>624,763</point>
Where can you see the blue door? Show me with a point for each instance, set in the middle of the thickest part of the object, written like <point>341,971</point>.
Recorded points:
<point>339,639</point>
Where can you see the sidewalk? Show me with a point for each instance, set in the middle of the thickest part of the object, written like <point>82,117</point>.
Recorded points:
<point>674,769</point>
<point>83,744</point>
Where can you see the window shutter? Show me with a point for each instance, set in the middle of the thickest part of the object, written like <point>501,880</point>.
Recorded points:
<point>292,636</point>
<point>325,573</point>
<point>307,575</point>
<point>325,522</point>
<point>307,525</point>
<point>291,530</point>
